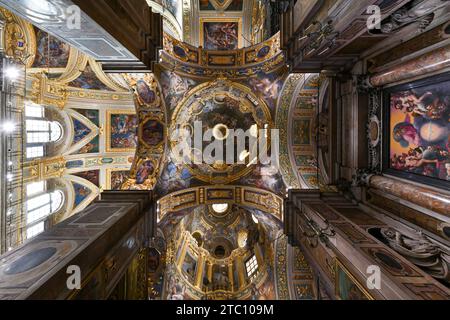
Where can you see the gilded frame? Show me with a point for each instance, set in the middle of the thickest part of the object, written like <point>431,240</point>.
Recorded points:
<point>109,113</point>
<point>226,19</point>
<point>109,174</point>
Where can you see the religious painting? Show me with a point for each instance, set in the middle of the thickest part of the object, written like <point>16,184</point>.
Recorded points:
<point>418,140</point>
<point>266,178</point>
<point>122,131</point>
<point>81,193</point>
<point>89,80</point>
<point>189,267</point>
<point>221,34</point>
<point>152,133</point>
<point>307,101</point>
<point>347,288</point>
<point>117,178</point>
<point>81,131</point>
<point>92,176</point>
<point>91,114</point>
<point>302,132</point>
<point>305,160</point>
<point>145,94</point>
<point>271,224</point>
<point>220,279</point>
<point>176,289</point>
<point>266,291</point>
<point>92,146</point>
<point>173,178</point>
<point>145,170</point>
<point>50,51</point>
<point>175,87</point>
<point>268,86</point>
<point>173,6</point>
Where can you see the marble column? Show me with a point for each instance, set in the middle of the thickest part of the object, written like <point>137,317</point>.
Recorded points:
<point>421,196</point>
<point>429,62</point>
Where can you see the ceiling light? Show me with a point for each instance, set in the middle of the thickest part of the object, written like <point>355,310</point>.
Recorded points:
<point>220,207</point>
<point>12,72</point>
<point>8,127</point>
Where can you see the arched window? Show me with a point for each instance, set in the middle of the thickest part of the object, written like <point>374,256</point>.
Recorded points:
<point>39,131</point>
<point>40,205</point>
<point>220,207</point>
<point>251,266</point>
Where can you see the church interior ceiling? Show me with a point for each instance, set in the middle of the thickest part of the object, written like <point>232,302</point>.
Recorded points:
<point>116,136</point>
<point>116,126</point>
<point>115,139</point>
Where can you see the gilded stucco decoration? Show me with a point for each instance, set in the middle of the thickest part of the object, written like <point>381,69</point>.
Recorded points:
<point>151,132</point>
<point>225,103</point>
<point>264,201</point>
<point>195,238</point>
<point>192,61</point>
<point>18,37</point>
<point>298,113</point>
<point>282,118</point>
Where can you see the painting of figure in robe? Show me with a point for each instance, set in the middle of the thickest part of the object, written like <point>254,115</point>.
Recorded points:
<point>89,80</point>
<point>118,178</point>
<point>81,193</point>
<point>419,131</point>
<point>221,35</point>
<point>92,114</point>
<point>92,146</point>
<point>92,176</point>
<point>145,93</point>
<point>123,133</point>
<point>175,87</point>
<point>153,133</point>
<point>267,86</point>
<point>50,51</point>
<point>145,170</point>
<point>80,131</point>
<point>265,177</point>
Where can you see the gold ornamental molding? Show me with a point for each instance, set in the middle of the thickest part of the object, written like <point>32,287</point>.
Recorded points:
<point>19,38</point>
<point>152,131</point>
<point>57,94</point>
<point>192,105</point>
<point>244,196</point>
<point>187,59</point>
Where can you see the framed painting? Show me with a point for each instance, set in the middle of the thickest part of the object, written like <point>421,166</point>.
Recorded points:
<point>221,33</point>
<point>347,287</point>
<point>115,178</point>
<point>416,143</point>
<point>121,131</point>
